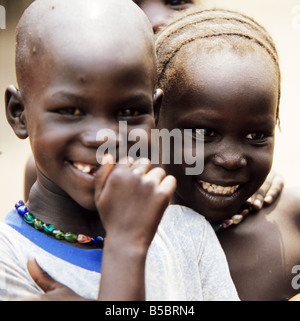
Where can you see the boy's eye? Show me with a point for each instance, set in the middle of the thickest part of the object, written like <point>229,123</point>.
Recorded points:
<point>178,3</point>
<point>256,136</point>
<point>129,112</point>
<point>205,132</point>
<point>70,111</point>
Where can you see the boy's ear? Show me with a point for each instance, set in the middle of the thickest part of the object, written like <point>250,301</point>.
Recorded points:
<point>157,101</point>
<point>15,111</point>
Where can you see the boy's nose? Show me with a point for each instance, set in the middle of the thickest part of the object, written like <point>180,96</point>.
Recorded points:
<point>97,135</point>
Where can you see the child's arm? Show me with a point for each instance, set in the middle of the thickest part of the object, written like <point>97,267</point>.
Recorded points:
<point>131,205</point>
<point>131,200</point>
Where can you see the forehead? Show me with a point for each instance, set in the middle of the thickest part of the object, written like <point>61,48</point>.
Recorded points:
<point>82,35</point>
<point>110,39</point>
<point>222,72</point>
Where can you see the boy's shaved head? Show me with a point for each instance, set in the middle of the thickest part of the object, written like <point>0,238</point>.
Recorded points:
<point>116,30</point>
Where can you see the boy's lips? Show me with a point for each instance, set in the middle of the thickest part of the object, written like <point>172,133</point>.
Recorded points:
<point>215,189</point>
<point>86,168</point>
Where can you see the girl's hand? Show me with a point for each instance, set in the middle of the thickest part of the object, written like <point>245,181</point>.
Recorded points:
<point>268,192</point>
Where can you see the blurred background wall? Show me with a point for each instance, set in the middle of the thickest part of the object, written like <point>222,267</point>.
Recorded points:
<point>280,17</point>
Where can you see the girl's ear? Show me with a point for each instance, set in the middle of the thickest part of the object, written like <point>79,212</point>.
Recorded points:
<point>15,111</point>
<point>157,100</point>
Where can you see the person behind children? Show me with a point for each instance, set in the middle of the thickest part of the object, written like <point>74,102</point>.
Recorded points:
<point>82,67</point>
<point>159,12</point>
<point>220,75</point>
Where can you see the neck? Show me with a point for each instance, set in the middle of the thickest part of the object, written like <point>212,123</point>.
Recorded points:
<point>58,209</point>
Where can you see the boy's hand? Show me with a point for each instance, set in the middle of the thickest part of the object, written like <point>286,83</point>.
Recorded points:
<point>131,199</point>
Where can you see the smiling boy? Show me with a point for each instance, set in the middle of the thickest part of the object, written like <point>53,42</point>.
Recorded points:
<point>82,68</point>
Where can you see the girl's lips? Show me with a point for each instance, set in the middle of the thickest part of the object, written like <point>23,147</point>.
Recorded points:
<point>86,168</point>
<point>214,189</point>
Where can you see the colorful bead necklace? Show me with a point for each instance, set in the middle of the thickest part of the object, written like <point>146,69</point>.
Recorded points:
<point>236,219</point>
<point>51,230</point>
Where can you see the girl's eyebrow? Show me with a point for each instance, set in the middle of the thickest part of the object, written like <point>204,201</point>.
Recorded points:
<point>204,116</point>
<point>201,115</point>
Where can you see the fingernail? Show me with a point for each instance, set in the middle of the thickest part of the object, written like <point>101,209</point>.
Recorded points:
<point>258,203</point>
<point>268,199</point>
<point>106,159</point>
<point>142,160</point>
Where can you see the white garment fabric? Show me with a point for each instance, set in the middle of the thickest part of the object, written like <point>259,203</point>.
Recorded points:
<point>185,261</point>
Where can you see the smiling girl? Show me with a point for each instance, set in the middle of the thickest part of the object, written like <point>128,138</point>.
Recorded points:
<point>220,75</point>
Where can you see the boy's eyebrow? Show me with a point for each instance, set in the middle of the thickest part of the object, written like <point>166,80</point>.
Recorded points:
<point>78,99</point>
<point>69,96</point>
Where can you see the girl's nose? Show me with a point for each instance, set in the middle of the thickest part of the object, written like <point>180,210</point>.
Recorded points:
<point>230,160</point>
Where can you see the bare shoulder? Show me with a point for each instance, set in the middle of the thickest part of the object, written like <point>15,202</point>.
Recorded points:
<point>287,208</point>
<point>289,200</point>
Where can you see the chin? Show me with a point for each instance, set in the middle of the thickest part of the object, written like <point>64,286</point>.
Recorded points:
<point>87,203</point>
<point>217,214</point>
<point>90,206</point>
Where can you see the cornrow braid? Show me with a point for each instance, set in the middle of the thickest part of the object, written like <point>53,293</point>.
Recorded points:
<point>217,28</point>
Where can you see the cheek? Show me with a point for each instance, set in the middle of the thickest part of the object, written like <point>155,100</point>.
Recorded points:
<point>139,143</point>
<point>48,142</point>
<point>262,162</point>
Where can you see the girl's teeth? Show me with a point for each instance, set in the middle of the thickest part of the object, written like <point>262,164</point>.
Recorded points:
<point>218,189</point>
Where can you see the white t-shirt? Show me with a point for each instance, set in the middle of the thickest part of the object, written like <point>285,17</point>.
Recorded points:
<point>185,261</point>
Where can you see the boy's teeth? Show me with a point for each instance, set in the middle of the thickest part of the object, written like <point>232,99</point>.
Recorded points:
<point>85,168</point>
<point>218,189</point>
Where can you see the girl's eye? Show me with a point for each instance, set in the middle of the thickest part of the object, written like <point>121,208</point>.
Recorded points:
<point>70,111</point>
<point>205,132</point>
<point>256,136</point>
<point>129,112</point>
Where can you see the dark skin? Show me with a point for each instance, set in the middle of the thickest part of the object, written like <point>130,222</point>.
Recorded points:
<point>153,8</point>
<point>63,111</point>
<point>234,99</point>
<point>159,12</point>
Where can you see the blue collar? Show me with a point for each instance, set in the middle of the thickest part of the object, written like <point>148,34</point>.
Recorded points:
<point>89,259</point>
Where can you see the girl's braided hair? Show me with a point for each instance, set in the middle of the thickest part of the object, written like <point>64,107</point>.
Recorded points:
<point>216,29</point>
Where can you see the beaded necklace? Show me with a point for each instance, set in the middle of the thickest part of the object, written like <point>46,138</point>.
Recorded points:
<point>234,220</point>
<point>51,230</point>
